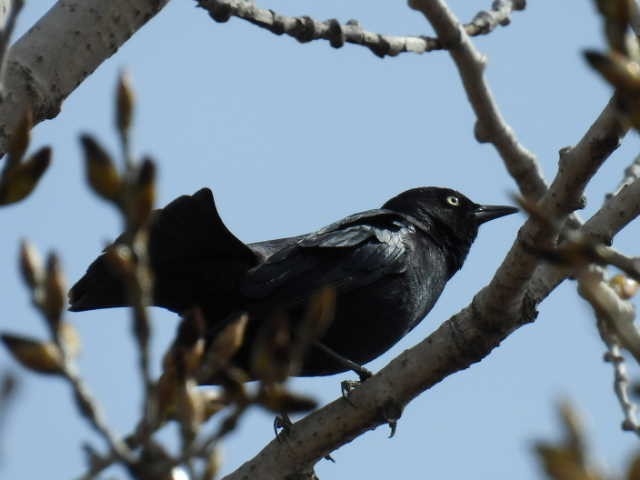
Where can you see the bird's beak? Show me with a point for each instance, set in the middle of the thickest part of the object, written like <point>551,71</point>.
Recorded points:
<point>484,213</point>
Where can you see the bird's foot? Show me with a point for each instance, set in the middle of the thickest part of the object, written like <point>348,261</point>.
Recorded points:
<point>391,412</point>
<point>363,373</point>
<point>347,386</point>
<point>282,426</point>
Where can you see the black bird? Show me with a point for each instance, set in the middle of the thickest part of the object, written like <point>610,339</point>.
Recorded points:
<point>387,267</point>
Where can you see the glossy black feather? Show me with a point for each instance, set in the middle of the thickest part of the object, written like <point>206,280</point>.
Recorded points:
<point>388,267</point>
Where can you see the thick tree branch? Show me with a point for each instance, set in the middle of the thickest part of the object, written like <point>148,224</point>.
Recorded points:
<point>467,337</point>
<point>306,29</point>
<point>61,50</point>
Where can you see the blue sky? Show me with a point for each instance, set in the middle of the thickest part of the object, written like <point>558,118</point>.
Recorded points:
<point>291,137</point>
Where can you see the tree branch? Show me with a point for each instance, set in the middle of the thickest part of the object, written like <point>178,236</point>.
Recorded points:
<point>617,212</point>
<point>467,337</point>
<point>490,125</point>
<point>50,61</point>
<point>306,29</point>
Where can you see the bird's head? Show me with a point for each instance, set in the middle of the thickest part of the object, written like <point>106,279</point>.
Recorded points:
<point>449,211</point>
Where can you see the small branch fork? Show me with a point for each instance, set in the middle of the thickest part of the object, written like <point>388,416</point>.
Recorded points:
<point>306,29</point>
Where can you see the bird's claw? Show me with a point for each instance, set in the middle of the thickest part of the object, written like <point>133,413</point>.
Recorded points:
<point>391,412</point>
<point>281,426</point>
<point>346,387</point>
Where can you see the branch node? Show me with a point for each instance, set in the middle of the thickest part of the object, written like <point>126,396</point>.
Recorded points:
<point>482,21</point>
<point>481,132</point>
<point>278,23</point>
<point>220,12</point>
<point>381,47</point>
<point>306,29</point>
<point>336,33</point>
<point>563,157</point>
<point>628,426</point>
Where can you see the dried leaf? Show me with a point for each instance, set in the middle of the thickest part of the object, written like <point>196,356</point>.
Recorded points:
<point>144,194</point>
<point>120,258</point>
<point>278,400</point>
<point>616,36</point>
<point>617,15</point>
<point>187,350</point>
<point>214,462</point>
<point>568,459</point>
<point>226,343</point>
<point>618,11</point>
<point>19,141</point>
<point>41,357</point>
<point>70,339</point>
<point>191,410</point>
<point>18,182</point>
<point>633,473</point>
<point>233,381</point>
<point>271,352</point>
<point>561,464</point>
<point>319,314</point>
<point>166,395</point>
<point>574,436</point>
<point>55,289</point>
<point>124,104</point>
<point>30,264</point>
<point>321,310</point>
<point>101,173</point>
<point>214,401</point>
<point>624,286</point>
<point>618,70</point>
<point>178,473</point>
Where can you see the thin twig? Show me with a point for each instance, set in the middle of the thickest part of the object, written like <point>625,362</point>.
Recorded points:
<point>90,409</point>
<point>5,36</point>
<point>621,386</point>
<point>490,126</point>
<point>631,174</point>
<point>202,448</point>
<point>8,386</point>
<point>306,29</point>
<point>615,213</point>
<point>139,290</point>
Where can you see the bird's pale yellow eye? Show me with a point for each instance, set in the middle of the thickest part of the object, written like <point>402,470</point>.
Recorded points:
<point>453,201</point>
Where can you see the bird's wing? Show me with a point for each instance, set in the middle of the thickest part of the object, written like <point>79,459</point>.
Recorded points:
<point>354,252</point>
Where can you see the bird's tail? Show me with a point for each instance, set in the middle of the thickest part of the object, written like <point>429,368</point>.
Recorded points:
<point>193,256</point>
